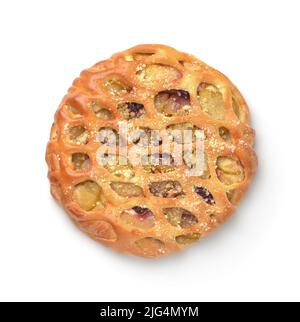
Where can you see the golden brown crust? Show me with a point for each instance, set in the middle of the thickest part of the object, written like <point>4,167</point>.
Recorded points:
<point>138,75</point>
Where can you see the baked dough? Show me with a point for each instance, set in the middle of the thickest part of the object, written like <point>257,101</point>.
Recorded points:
<point>150,211</point>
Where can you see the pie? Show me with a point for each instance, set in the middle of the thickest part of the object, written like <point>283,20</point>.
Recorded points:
<point>157,208</point>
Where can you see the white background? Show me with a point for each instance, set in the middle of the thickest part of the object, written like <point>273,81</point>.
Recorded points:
<point>44,46</point>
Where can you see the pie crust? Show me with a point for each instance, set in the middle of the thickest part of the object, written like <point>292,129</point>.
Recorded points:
<point>150,211</point>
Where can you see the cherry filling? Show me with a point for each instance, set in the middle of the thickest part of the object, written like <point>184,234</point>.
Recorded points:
<point>205,195</point>
<point>108,136</point>
<point>166,189</point>
<point>188,219</point>
<point>142,213</point>
<point>172,102</point>
<point>144,136</point>
<point>131,110</point>
<point>139,217</point>
<point>162,159</point>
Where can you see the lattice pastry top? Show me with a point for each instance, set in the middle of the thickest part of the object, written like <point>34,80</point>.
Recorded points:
<point>152,209</point>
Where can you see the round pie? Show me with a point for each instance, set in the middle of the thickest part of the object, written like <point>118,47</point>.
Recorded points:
<point>157,207</point>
